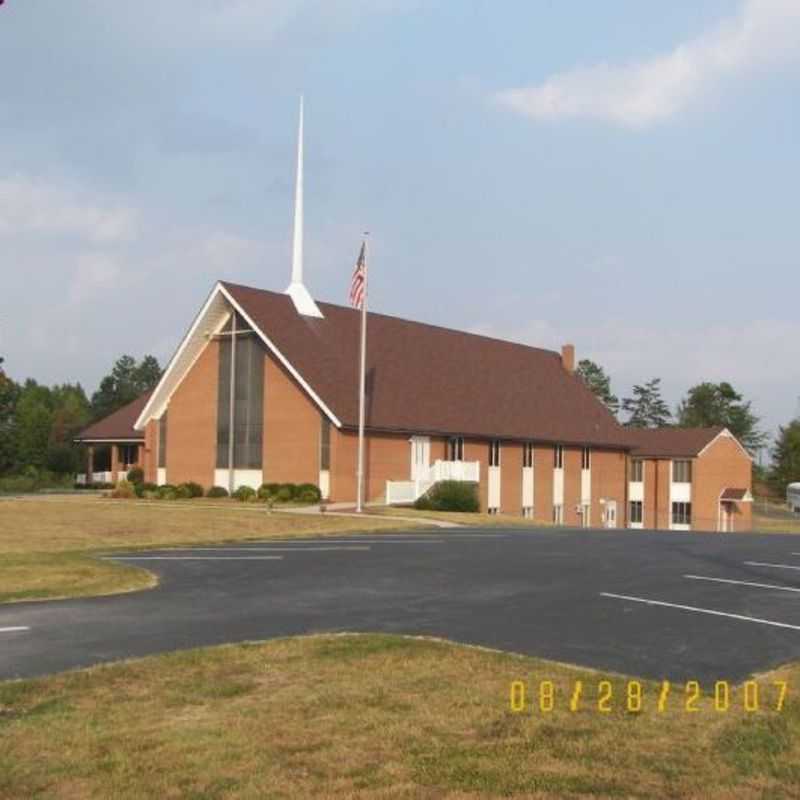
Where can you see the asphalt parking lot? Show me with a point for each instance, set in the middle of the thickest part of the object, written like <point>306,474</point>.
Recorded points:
<point>660,605</point>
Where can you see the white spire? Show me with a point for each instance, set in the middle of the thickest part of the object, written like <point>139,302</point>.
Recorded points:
<point>303,301</point>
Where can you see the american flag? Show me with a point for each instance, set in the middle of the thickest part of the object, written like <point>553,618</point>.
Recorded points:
<point>359,283</point>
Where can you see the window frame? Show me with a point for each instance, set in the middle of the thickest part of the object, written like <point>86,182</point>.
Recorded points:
<point>681,467</point>
<point>586,458</point>
<point>455,448</point>
<point>636,468</point>
<point>681,512</point>
<point>639,505</point>
<point>494,453</point>
<point>558,514</point>
<point>558,456</point>
<point>527,454</point>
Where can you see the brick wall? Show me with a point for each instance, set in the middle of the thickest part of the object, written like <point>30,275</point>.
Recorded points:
<point>609,480</point>
<point>292,425</point>
<point>387,457</point>
<point>511,478</point>
<point>192,422</point>
<point>150,454</point>
<point>722,466</point>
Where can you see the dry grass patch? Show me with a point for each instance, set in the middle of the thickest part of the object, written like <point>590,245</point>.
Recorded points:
<point>46,544</point>
<point>463,518</point>
<point>374,717</point>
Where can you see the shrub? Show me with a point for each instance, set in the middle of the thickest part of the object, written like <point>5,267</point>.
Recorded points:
<point>136,475</point>
<point>245,494</point>
<point>145,489</point>
<point>288,488</point>
<point>269,489</point>
<point>124,490</point>
<point>217,491</point>
<point>193,489</point>
<point>183,492</point>
<point>166,489</point>
<point>284,494</point>
<point>450,496</point>
<point>308,493</point>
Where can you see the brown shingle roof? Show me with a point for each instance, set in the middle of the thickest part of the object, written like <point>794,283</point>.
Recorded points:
<point>117,426</point>
<point>670,442</point>
<point>430,379</point>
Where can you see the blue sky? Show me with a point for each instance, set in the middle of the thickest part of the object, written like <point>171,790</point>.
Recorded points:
<point>621,175</point>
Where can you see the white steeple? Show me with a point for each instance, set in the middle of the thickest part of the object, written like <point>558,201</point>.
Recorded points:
<point>303,301</point>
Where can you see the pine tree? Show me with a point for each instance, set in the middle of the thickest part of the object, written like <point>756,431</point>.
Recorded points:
<point>710,404</point>
<point>647,409</point>
<point>786,457</point>
<point>594,376</point>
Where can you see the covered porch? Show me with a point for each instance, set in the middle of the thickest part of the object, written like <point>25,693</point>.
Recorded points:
<point>109,462</point>
<point>729,508</point>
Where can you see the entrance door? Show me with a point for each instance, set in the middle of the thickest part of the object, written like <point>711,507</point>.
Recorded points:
<point>726,517</point>
<point>611,513</point>
<point>420,457</point>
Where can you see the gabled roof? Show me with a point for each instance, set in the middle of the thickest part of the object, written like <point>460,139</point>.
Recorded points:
<point>671,442</point>
<point>117,426</point>
<point>429,379</point>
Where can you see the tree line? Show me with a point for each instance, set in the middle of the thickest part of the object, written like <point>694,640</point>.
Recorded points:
<point>705,405</point>
<point>38,423</point>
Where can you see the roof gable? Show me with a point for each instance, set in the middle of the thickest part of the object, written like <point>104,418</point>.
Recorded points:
<point>117,426</point>
<point>674,442</point>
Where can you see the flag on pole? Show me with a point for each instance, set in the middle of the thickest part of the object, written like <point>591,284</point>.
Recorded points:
<point>359,282</point>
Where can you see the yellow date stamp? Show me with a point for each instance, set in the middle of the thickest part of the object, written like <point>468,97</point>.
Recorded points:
<point>605,696</point>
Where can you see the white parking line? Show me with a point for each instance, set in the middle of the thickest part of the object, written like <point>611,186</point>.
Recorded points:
<point>196,558</point>
<point>700,610</point>
<point>265,549</point>
<point>775,566</point>
<point>17,628</point>
<point>349,541</point>
<point>743,583</point>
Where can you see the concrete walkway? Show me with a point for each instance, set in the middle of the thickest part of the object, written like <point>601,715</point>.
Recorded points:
<point>343,510</point>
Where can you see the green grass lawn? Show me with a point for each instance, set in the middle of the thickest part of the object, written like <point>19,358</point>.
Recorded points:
<point>374,716</point>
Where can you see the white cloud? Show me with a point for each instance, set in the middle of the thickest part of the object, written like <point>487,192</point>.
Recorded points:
<point>763,34</point>
<point>43,208</point>
<point>94,273</point>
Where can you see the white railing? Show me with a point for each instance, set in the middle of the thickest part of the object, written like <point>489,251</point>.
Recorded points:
<point>456,471</point>
<point>398,492</point>
<point>95,477</point>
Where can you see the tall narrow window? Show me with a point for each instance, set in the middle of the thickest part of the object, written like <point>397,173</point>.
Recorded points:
<point>248,400</point>
<point>637,470</point>
<point>558,456</point>
<point>681,513</point>
<point>558,514</point>
<point>586,458</point>
<point>681,471</point>
<point>325,444</point>
<point>494,453</point>
<point>636,512</point>
<point>455,448</point>
<point>162,441</point>
<point>527,454</point>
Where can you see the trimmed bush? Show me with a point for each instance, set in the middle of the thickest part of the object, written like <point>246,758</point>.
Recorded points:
<point>308,493</point>
<point>183,492</point>
<point>285,494</point>
<point>289,488</point>
<point>166,491</point>
<point>194,489</point>
<point>136,475</point>
<point>124,490</point>
<point>450,496</point>
<point>267,491</point>
<point>217,491</point>
<point>245,494</point>
<point>142,489</point>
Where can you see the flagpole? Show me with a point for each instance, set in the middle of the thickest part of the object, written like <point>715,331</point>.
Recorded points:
<point>362,387</point>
